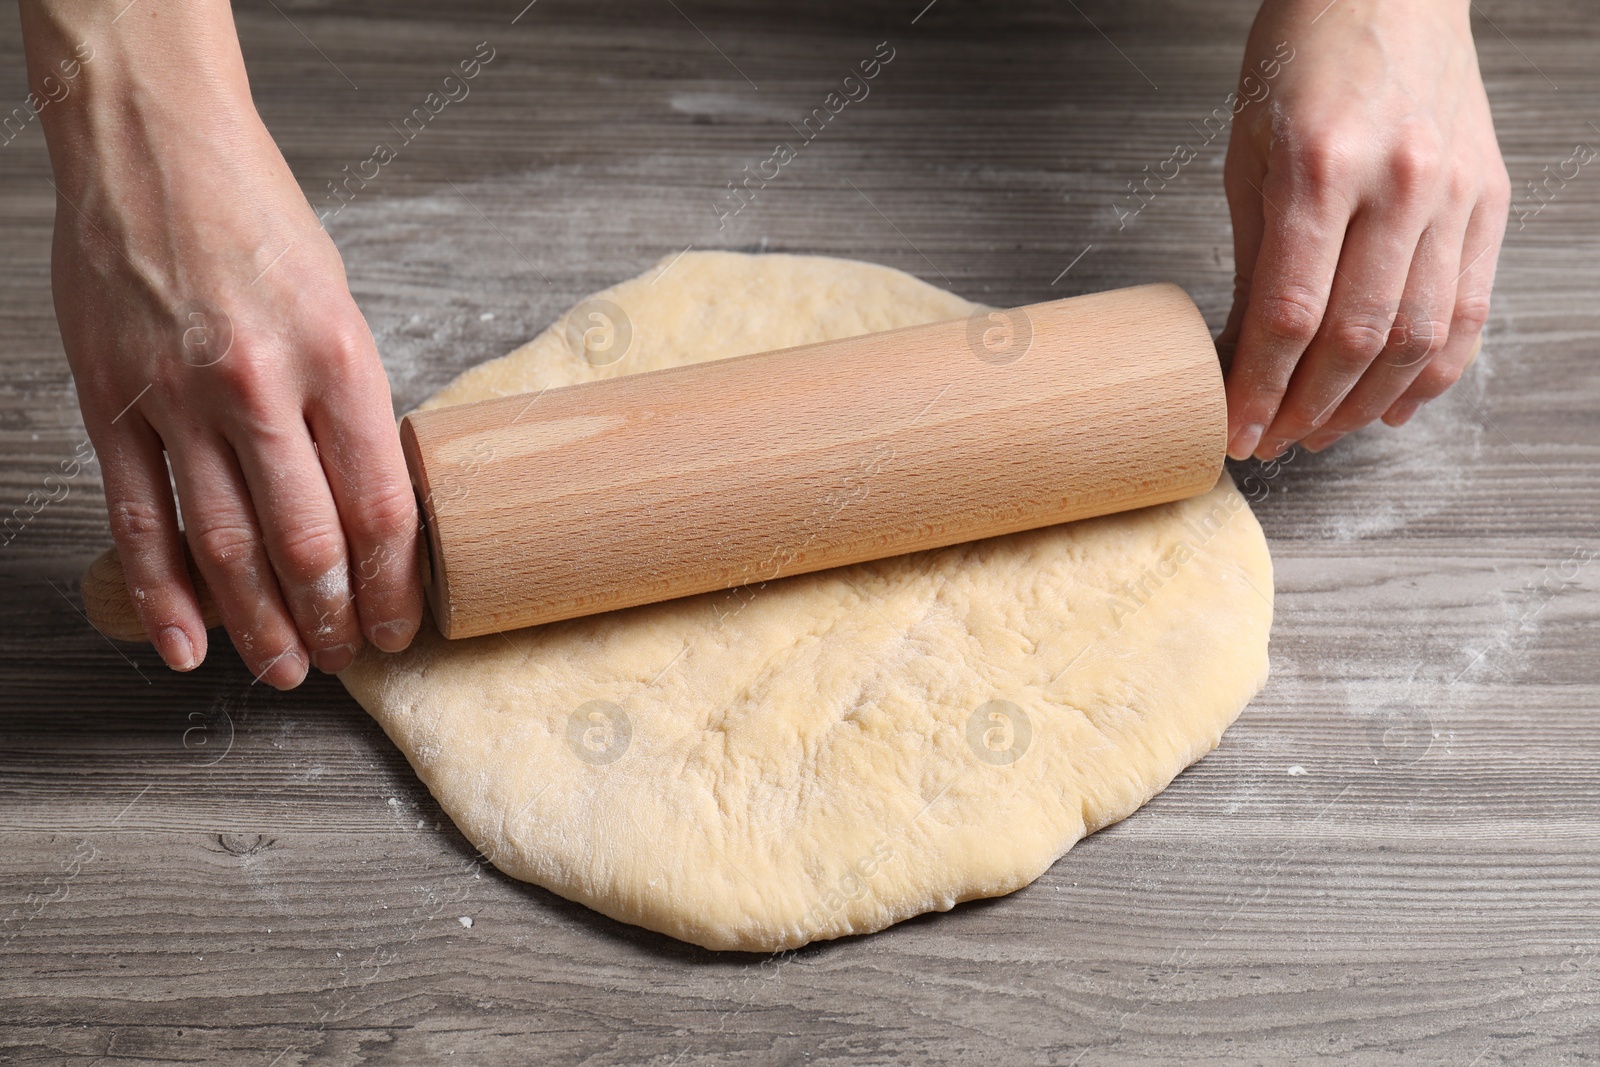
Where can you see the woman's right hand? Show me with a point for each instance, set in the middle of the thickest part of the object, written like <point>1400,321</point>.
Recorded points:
<point>209,327</point>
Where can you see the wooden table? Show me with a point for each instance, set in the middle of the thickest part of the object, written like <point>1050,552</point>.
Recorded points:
<point>1394,858</point>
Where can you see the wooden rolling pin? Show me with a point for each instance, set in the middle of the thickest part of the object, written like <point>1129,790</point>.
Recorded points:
<point>659,485</point>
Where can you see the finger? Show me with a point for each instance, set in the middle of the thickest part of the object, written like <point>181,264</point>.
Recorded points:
<point>221,527</point>
<point>1367,288</point>
<point>359,447</point>
<point>1242,177</point>
<point>144,525</point>
<point>300,527</point>
<point>1361,308</point>
<point>1288,295</point>
<point>1480,250</point>
<point>1320,439</point>
<point>1421,330</point>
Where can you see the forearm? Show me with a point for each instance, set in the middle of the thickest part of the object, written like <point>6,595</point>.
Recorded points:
<point>127,85</point>
<point>161,163</point>
<point>1308,11</point>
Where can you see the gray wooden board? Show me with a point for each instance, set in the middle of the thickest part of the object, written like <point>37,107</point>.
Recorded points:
<point>196,869</point>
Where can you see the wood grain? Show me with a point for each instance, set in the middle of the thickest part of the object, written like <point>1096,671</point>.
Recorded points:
<point>193,869</point>
<point>108,602</point>
<point>714,475</point>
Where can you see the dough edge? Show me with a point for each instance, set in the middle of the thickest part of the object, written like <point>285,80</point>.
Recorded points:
<point>945,862</point>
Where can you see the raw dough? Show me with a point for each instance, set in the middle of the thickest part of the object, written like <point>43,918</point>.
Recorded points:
<point>831,753</point>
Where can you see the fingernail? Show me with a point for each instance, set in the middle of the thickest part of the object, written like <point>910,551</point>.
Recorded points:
<point>176,650</point>
<point>1401,413</point>
<point>394,635</point>
<point>1244,442</point>
<point>335,659</point>
<point>287,671</point>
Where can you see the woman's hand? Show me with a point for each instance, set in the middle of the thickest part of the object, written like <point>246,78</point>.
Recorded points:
<point>1368,200</point>
<point>209,326</point>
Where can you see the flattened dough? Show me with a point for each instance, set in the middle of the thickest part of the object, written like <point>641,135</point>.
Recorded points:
<point>831,753</point>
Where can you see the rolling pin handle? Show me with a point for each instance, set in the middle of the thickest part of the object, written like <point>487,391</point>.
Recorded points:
<point>109,605</point>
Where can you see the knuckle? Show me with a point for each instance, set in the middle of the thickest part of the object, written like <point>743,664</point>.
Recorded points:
<point>1419,339</point>
<point>1430,335</point>
<point>387,514</point>
<point>243,368</point>
<point>310,551</point>
<point>1322,161</point>
<point>1471,313</point>
<point>1415,166</point>
<point>348,346</point>
<point>225,544</point>
<point>1356,342</point>
<point>1292,315</point>
<point>250,387</point>
<point>135,522</point>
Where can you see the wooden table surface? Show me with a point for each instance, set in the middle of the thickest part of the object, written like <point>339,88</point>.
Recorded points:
<point>1394,857</point>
